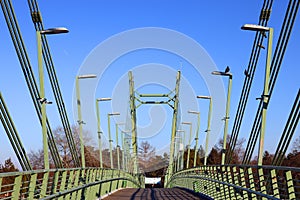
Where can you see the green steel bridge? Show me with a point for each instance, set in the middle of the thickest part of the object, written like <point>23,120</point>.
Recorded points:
<point>222,181</point>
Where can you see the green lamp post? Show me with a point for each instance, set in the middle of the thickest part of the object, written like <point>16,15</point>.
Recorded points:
<point>80,122</point>
<point>182,145</point>
<point>265,96</point>
<point>197,134</point>
<point>42,98</point>
<point>99,128</point>
<point>189,144</point>
<point>208,126</point>
<point>226,73</point>
<point>109,138</point>
<point>117,143</point>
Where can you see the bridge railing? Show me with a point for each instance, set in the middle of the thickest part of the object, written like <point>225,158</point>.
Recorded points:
<point>75,183</point>
<point>240,181</point>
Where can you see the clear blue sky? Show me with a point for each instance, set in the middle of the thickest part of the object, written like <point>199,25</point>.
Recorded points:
<point>213,25</point>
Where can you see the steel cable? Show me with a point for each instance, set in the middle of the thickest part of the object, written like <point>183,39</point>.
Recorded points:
<point>33,6</point>
<point>285,32</point>
<point>13,136</point>
<point>288,132</point>
<point>27,71</point>
<point>264,17</point>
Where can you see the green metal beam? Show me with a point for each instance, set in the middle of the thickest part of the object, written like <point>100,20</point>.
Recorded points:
<point>174,126</point>
<point>133,122</point>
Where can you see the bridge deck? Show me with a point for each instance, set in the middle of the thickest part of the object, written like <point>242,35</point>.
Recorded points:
<point>153,193</point>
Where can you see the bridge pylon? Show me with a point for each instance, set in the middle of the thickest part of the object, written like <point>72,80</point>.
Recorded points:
<point>171,99</point>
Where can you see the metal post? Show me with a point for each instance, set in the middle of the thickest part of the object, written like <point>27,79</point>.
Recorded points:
<point>42,96</point>
<point>133,122</point>
<point>99,134</point>
<point>226,120</point>
<point>123,150</point>
<point>197,138</point>
<point>174,126</point>
<point>208,131</point>
<point>118,147</point>
<point>99,128</point>
<point>265,98</point>
<point>110,143</point>
<point>189,148</point>
<point>226,73</point>
<point>189,144</point>
<point>182,156</point>
<point>182,142</point>
<point>197,135</point>
<point>80,123</point>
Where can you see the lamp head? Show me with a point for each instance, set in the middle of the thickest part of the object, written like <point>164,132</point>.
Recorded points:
<point>111,114</point>
<point>52,31</point>
<point>193,112</point>
<point>203,97</point>
<point>104,99</point>
<point>254,27</point>
<point>85,76</point>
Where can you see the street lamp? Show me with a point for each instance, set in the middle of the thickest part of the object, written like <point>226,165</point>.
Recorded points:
<point>197,135</point>
<point>177,151</point>
<point>110,140</point>
<point>126,148</point>
<point>99,128</point>
<point>42,98</point>
<point>189,144</point>
<point>265,96</point>
<point>226,73</point>
<point>208,126</point>
<point>117,142</point>
<point>182,147</point>
<point>80,122</point>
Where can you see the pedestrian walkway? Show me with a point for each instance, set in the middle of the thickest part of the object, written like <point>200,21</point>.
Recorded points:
<point>154,193</point>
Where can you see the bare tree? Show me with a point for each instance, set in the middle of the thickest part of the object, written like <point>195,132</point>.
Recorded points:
<point>296,145</point>
<point>36,157</point>
<point>237,156</point>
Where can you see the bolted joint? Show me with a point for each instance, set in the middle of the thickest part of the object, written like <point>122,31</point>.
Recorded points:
<point>223,150</point>
<point>225,118</point>
<point>36,17</point>
<point>80,122</point>
<point>265,15</point>
<point>44,101</point>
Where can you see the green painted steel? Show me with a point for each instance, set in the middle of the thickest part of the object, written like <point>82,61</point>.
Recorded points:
<point>265,98</point>
<point>189,147</point>
<point>65,183</point>
<point>240,181</point>
<point>99,134</point>
<point>42,100</point>
<point>196,139</point>
<point>80,122</point>
<point>133,122</point>
<point>226,119</point>
<point>110,142</point>
<point>174,125</point>
<point>13,135</point>
<point>118,147</point>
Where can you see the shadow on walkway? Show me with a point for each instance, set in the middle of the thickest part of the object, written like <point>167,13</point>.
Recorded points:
<point>155,193</point>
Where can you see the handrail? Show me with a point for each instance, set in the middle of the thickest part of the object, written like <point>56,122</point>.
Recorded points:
<point>240,181</point>
<point>72,183</point>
